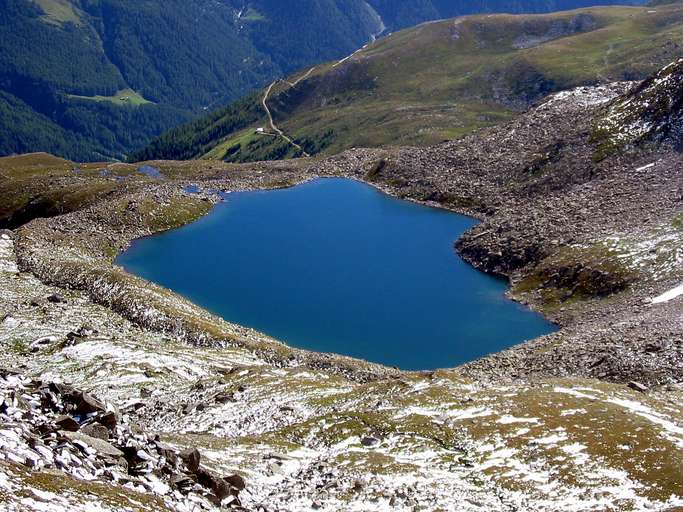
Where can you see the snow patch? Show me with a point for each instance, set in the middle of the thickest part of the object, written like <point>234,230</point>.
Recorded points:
<point>671,431</point>
<point>670,295</point>
<point>508,419</point>
<point>7,262</point>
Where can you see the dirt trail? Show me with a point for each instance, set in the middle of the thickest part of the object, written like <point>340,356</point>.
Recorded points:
<point>301,78</point>
<point>272,122</point>
<point>294,84</point>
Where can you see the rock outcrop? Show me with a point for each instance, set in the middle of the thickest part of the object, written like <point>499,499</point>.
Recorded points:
<point>652,112</point>
<point>53,425</point>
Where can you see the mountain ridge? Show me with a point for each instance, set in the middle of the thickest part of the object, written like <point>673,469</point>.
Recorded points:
<point>650,113</point>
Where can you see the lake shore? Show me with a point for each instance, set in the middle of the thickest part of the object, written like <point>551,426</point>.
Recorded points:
<point>561,263</point>
<point>575,417</point>
<point>303,439</point>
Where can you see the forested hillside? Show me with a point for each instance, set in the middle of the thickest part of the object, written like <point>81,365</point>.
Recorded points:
<point>94,79</point>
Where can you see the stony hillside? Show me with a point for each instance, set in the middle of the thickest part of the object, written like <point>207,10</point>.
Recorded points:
<point>588,418</point>
<point>435,82</point>
<point>302,439</point>
<point>650,113</point>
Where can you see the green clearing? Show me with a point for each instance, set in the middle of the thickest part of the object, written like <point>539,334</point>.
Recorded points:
<point>248,144</point>
<point>253,15</point>
<point>233,144</point>
<point>59,12</point>
<point>123,97</point>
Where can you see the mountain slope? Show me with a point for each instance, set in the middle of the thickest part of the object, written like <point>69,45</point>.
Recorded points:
<point>110,74</point>
<point>650,113</point>
<point>405,13</point>
<point>70,60</point>
<point>439,81</point>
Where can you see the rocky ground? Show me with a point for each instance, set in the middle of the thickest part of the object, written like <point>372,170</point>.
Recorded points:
<point>100,414</point>
<point>588,418</point>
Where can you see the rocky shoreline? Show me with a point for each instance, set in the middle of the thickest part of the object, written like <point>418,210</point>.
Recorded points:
<point>589,241</point>
<point>306,439</point>
<point>602,241</point>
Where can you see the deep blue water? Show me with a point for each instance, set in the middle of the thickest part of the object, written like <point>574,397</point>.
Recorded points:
<point>336,266</point>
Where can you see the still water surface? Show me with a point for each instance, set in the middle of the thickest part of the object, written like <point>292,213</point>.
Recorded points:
<point>334,265</point>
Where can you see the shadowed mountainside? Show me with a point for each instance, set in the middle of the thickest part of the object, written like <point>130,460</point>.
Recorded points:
<point>95,79</point>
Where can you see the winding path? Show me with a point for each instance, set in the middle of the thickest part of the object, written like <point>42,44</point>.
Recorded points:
<point>270,115</point>
<point>264,102</point>
<point>301,78</point>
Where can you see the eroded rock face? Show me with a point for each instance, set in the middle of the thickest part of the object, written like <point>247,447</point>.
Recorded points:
<point>97,431</point>
<point>191,458</point>
<point>499,255</point>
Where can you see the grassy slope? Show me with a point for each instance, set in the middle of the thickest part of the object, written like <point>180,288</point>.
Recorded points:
<point>442,80</point>
<point>59,12</point>
<point>42,185</point>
